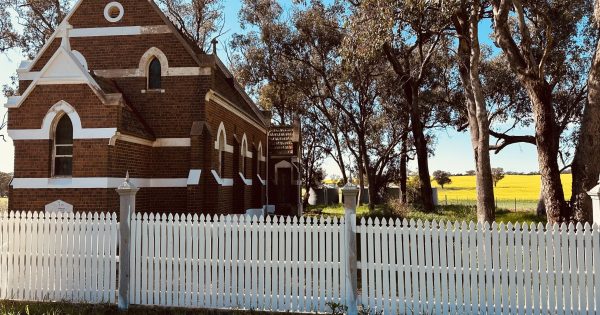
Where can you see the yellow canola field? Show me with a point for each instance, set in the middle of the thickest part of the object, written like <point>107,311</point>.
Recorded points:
<point>521,187</point>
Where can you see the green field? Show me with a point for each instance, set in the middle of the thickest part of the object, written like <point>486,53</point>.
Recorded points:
<point>524,190</point>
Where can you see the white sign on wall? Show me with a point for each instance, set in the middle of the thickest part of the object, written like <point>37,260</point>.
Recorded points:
<point>59,206</point>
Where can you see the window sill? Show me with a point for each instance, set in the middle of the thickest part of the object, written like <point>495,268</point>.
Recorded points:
<point>150,91</point>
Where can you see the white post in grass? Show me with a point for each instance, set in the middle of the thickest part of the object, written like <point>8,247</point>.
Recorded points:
<point>127,193</point>
<point>350,193</point>
<point>594,193</point>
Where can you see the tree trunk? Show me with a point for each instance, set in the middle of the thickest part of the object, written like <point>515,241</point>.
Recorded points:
<point>403,171</point>
<point>586,168</point>
<point>469,54</point>
<point>540,210</point>
<point>547,139</point>
<point>361,179</point>
<point>422,152</point>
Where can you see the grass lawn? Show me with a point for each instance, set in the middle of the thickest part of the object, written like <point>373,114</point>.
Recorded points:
<point>524,189</point>
<point>443,213</point>
<point>46,308</point>
<point>3,204</point>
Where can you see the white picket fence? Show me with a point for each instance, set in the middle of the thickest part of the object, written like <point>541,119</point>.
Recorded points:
<point>296,264</point>
<point>279,264</point>
<point>58,257</point>
<point>430,268</point>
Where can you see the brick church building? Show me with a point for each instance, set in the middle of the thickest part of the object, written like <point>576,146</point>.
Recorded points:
<point>116,89</point>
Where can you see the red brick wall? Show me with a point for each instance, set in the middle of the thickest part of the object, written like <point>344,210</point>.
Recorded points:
<point>92,112</point>
<point>91,14</point>
<point>82,199</point>
<point>169,114</point>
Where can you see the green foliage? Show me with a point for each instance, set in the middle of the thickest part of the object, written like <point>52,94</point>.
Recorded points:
<point>62,308</point>
<point>442,178</point>
<point>337,308</point>
<point>5,179</point>
<point>497,175</point>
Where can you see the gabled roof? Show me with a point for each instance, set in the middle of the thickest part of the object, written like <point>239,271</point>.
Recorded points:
<point>64,68</point>
<point>195,52</point>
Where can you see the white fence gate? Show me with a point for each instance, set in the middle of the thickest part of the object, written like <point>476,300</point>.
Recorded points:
<point>58,257</point>
<point>286,264</point>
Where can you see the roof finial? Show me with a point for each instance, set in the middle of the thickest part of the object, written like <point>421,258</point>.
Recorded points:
<point>65,43</point>
<point>214,43</point>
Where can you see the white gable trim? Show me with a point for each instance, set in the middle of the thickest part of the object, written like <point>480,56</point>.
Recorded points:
<point>57,32</point>
<point>45,132</point>
<point>222,181</point>
<point>225,103</point>
<point>62,68</point>
<point>158,143</point>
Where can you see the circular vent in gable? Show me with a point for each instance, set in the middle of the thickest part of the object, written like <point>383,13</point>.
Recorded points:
<point>113,12</point>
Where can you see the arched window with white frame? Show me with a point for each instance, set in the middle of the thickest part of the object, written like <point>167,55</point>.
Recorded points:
<point>62,151</point>
<point>258,159</point>
<point>243,153</point>
<point>221,140</point>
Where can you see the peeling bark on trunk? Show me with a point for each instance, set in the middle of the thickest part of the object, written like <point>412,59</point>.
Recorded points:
<point>361,179</point>
<point>547,138</point>
<point>540,210</point>
<point>403,170</point>
<point>421,148</point>
<point>586,164</point>
<point>469,55</point>
<point>530,73</point>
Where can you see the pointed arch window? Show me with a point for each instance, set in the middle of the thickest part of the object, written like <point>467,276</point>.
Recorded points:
<point>63,147</point>
<point>154,74</point>
<point>243,151</point>
<point>222,141</point>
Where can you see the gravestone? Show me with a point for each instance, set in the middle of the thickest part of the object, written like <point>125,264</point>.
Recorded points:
<point>59,206</point>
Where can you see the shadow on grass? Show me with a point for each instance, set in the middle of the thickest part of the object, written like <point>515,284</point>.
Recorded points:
<point>62,308</point>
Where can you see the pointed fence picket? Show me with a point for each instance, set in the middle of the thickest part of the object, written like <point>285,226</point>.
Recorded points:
<point>58,257</point>
<point>296,264</point>
<point>243,262</point>
<point>473,269</point>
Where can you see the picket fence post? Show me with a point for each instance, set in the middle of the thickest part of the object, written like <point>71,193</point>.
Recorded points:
<point>350,194</point>
<point>127,192</point>
<point>594,193</point>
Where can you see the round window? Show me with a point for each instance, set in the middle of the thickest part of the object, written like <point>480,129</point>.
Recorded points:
<point>113,12</point>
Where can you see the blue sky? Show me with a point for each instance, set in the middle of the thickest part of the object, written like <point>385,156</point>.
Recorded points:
<point>452,152</point>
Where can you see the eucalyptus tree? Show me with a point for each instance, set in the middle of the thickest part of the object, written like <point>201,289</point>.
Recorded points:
<point>539,39</point>
<point>410,35</point>
<point>200,21</point>
<point>586,168</point>
<point>28,24</point>
<point>304,51</point>
<point>466,20</point>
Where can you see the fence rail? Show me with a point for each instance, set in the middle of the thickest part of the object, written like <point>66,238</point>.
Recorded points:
<point>297,264</point>
<point>480,269</point>
<point>58,257</point>
<point>279,264</point>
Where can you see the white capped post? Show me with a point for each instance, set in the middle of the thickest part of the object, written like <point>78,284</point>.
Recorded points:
<point>127,192</point>
<point>350,194</point>
<point>594,193</point>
